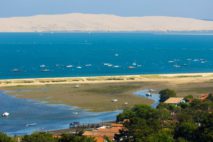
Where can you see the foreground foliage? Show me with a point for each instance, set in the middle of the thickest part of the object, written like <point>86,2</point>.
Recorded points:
<point>46,137</point>
<point>5,138</point>
<point>165,94</point>
<point>39,137</point>
<point>186,122</point>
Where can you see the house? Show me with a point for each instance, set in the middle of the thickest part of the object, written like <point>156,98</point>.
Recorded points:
<point>174,100</point>
<point>203,97</point>
<point>105,131</point>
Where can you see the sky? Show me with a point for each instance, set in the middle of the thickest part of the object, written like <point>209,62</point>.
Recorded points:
<point>200,9</point>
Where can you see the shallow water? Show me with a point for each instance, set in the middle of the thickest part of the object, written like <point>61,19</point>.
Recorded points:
<point>27,116</point>
<point>43,117</point>
<point>31,55</point>
<point>154,97</point>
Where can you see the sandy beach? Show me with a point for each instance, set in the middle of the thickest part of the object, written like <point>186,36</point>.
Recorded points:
<point>175,78</point>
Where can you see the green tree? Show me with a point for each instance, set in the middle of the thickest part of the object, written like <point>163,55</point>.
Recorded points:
<point>143,121</point>
<point>166,93</point>
<point>205,131</point>
<point>184,117</point>
<point>210,97</point>
<point>39,137</point>
<point>186,130</point>
<point>181,140</point>
<point>188,98</point>
<point>5,138</point>
<point>161,136</point>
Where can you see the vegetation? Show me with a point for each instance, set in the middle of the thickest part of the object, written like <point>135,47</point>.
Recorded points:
<point>165,94</point>
<point>46,137</point>
<point>39,137</point>
<point>5,138</point>
<point>97,97</point>
<point>188,98</point>
<point>187,122</point>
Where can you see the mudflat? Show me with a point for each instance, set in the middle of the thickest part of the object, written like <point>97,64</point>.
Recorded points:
<point>97,93</point>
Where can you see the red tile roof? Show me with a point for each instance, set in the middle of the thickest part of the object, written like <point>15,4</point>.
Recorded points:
<point>173,100</point>
<point>101,132</point>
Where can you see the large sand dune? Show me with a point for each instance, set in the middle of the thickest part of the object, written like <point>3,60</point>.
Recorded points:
<point>101,22</point>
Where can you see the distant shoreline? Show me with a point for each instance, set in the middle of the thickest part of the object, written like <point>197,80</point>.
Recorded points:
<point>205,32</point>
<point>101,22</point>
<point>105,79</point>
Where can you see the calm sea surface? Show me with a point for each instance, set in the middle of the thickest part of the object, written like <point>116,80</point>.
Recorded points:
<point>31,55</point>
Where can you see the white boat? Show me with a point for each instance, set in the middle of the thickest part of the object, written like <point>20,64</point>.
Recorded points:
<point>5,114</point>
<point>116,66</point>
<point>107,64</point>
<point>30,124</point>
<point>15,70</point>
<point>88,65</point>
<point>171,61</point>
<point>148,94</point>
<point>116,55</point>
<point>45,70</point>
<point>69,66</point>
<point>177,66</point>
<point>196,60</point>
<point>78,67</point>
<point>131,67</point>
<point>114,100</point>
<point>134,64</point>
<point>126,103</point>
<point>42,66</point>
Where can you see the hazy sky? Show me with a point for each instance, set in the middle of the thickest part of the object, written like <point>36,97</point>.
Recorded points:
<point>202,9</point>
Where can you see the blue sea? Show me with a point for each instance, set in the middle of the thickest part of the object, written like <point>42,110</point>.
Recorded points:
<point>33,55</point>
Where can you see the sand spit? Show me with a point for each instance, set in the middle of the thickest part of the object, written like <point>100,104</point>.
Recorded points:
<point>101,22</point>
<point>175,78</point>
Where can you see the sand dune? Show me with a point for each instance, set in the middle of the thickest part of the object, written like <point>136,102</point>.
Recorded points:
<point>101,22</point>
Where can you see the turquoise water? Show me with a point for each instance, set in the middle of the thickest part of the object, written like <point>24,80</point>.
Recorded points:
<point>27,116</point>
<point>31,55</point>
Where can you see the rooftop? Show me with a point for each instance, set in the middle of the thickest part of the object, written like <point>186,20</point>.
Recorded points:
<point>173,100</point>
<point>99,133</point>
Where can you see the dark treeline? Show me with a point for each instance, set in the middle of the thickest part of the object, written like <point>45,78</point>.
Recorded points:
<point>186,122</point>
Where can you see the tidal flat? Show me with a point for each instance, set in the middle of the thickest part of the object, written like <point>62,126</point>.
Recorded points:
<point>96,94</point>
